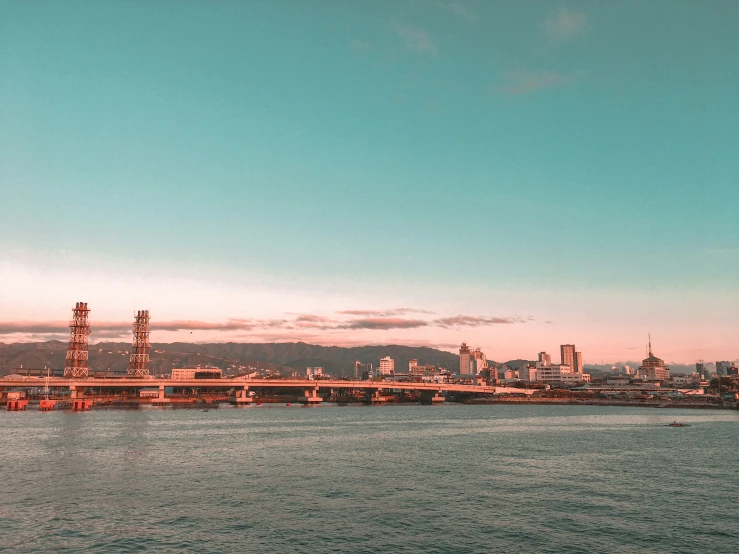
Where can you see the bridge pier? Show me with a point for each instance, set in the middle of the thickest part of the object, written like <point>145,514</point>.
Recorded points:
<point>16,405</point>
<point>73,392</point>
<point>438,398</point>
<point>377,397</point>
<point>242,397</point>
<point>81,405</point>
<point>160,400</point>
<point>311,396</point>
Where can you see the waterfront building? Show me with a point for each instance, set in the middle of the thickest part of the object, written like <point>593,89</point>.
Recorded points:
<point>387,366</point>
<point>464,359</point>
<point>653,367</point>
<point>412,364</point>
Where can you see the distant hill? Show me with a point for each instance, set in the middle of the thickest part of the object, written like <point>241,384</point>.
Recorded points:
<point>518,365</point>
<point>605,369</point>
<point>291,356</point>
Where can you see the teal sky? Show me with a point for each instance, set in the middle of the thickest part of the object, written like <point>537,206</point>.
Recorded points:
<point>488,154</point>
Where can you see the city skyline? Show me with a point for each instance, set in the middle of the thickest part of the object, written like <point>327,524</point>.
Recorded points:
<point>517,177</point>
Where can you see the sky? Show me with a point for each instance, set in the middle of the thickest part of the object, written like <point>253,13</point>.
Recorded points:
<point>516,175</point>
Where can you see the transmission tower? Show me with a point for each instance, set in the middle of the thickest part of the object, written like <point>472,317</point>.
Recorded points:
<point>138,365</point>
<point>76,364</point>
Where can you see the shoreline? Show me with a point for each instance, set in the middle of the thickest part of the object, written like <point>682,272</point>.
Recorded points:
<point>33,405</point>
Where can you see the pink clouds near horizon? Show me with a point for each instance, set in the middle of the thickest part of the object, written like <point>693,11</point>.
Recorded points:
<point>334,328</point>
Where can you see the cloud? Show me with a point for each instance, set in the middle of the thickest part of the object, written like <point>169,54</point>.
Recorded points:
<point>417,39</point>
<point>288,328</point>
<point>477,321</point>
<point>384,323</point>
<point>311,318</point>
<point>189,325</point>
<point>122,327</point>
<point>462,11</point>
<point>385,313</point>
<point>523,82</point>
<point>565,24</point>
<point>10,327</point>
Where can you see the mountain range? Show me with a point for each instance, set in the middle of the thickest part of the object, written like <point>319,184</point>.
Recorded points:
<point>287,357</point>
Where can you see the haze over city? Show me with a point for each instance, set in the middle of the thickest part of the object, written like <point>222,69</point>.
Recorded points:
<point>513,176</point>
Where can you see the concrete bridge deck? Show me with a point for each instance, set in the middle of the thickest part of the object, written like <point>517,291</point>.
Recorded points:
<point>243,383</point>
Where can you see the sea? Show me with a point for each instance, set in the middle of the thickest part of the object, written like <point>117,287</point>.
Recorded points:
<point>449,478</point>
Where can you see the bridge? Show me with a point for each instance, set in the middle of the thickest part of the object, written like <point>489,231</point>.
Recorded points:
<point>242,387</point>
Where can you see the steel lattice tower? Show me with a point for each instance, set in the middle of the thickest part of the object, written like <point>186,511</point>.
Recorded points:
<point>138,365</point>
<point>77,355</point>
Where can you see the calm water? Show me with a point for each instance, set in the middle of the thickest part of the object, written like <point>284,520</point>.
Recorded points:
<point>383,479</point>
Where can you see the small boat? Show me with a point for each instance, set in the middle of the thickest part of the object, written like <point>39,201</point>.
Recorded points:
<point>288,404</point>
<point>677,424</point>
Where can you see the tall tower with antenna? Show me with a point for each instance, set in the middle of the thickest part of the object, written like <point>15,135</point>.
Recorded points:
<point>76,364</point>
<point>138,364</point>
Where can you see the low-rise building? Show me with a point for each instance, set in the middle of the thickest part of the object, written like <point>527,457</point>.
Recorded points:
<point>528,372</point>
<point>681,379</point>
<point>314,372</point>
<point>422,369</point>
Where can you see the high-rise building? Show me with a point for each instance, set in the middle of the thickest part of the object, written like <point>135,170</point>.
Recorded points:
<point>568,357</point>
<point>387,366</point>
<point>412,364</point>
<point>700,369</point>
<point>578,360</point>
<point>478,361</point>
<point>724,368</point>
<point>545,359</point>
<point>360,369</point>
<point>464,359</point>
